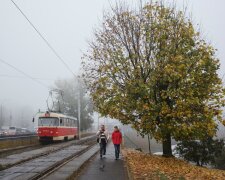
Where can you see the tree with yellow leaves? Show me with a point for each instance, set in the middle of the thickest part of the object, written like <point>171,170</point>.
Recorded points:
<point>150,68</point>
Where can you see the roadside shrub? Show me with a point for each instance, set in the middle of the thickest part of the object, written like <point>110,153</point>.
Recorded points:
<point>201,152</point>
<point>220,161</point>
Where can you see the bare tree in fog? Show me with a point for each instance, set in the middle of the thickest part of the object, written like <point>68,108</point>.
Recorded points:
<point>2,115</point>
<point>16,115</point>
<point>69,104</point>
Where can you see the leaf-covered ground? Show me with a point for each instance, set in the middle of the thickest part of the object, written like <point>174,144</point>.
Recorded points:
<point>149,167</point>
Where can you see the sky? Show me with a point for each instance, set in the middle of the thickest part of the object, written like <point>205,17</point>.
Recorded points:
<point>67,25</point>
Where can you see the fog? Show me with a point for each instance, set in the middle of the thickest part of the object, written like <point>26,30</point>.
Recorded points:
<point>67,25</point>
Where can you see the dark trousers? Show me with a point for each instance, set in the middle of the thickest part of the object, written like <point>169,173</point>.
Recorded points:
<point>102,149</point>
<point>117,150</point>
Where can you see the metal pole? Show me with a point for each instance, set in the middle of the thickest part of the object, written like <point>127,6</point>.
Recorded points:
<point>98,122</point>
<point>10,118</point>
<point>78,101</point>
<point>1,115</point>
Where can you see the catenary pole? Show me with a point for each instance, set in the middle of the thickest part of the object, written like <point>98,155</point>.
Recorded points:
<point>78,102</point>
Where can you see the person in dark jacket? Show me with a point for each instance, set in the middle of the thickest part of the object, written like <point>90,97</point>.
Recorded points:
<point>117,140</point>
<point>102,140</point>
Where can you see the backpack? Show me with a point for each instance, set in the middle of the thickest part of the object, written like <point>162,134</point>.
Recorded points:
<point>102,138</point>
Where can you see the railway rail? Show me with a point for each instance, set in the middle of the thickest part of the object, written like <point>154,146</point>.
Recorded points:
<point>48,172</point>
<point>40,151</point>
<point>10,146</point>
<point>10,151</point>
<point>17,136</point>
<point>43,166</point>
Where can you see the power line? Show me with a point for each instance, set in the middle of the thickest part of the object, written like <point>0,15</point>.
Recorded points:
<point>223,76</point>
<point>12,76</point>
<point>44,39</point>
<point>25,74</point>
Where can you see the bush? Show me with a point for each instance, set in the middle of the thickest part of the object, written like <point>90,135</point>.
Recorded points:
<point>220,161</point>
<point>201,152</point>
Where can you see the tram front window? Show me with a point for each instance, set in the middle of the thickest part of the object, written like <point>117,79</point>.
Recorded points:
<point>48,121</point>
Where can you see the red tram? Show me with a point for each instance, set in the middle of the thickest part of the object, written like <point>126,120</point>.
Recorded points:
<point>55,126</point>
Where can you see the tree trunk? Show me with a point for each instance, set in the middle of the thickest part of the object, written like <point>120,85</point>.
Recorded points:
<point>149,146</point>
<point>167,150</point>
<point>198,164</point>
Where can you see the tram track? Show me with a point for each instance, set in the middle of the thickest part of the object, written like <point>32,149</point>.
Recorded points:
<point>9,151</point>
<point>17,136</point>
<point>41,167</point>
<point>49,149</point>
<point>62,163</point>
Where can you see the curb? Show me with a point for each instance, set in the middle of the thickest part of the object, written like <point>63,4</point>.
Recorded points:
<point>75,174</point>
<point>127,167</point>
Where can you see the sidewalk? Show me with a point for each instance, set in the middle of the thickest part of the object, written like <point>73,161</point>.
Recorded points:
<point>106,168</point>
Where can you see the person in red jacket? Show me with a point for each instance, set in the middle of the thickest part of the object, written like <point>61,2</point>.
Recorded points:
<point>117,139</point>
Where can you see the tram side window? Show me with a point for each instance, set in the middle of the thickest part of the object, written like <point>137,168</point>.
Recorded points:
<point>73,122</point>
<point>61,122</point>
<point>64,121</point>
<point>67,122</point>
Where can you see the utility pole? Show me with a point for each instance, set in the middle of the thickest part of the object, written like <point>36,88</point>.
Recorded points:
<point>10,118</point>
<point>1,115</point>
<point>78,102</point>
<point>98,122</point>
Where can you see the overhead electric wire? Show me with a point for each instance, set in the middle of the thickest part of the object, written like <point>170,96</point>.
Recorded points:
<point>13,76</point>
<point>223,76</point>
<point>44,39</point>
<point>25,74</point>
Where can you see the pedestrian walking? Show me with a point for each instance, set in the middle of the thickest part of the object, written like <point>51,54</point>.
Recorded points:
<point>102,140</point>
<point>117,140</point>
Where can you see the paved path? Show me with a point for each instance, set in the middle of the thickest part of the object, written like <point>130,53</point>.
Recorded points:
<point>106,168</point>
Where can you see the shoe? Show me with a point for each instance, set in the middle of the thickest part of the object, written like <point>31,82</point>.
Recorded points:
<point>101,156</point>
